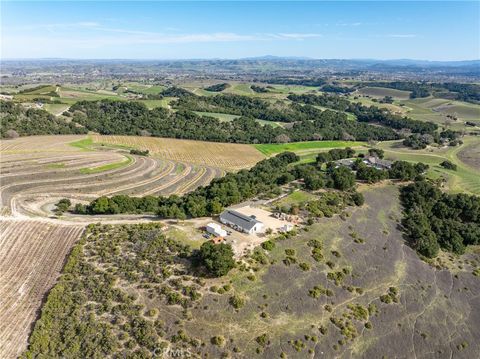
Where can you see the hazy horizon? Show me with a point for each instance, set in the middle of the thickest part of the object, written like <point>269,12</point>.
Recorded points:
<point>260,57</point>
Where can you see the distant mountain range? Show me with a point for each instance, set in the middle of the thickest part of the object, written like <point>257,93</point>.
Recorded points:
<point>255,66</point>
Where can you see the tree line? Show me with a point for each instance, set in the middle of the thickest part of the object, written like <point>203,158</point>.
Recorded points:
<point>370,114</point>
<point>133,118</point>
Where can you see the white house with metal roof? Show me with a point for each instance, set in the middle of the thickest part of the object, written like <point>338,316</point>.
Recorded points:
<point>241,222</point>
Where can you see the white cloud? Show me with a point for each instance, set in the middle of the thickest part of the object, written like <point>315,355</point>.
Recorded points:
<point>402,35</point>
<point>296,36</point>
<point>349,24</point>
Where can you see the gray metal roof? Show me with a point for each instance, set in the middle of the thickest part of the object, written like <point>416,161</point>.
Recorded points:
<point>239,219</point>
<point>377,161</point>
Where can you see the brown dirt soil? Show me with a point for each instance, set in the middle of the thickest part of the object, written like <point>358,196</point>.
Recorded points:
<point>471,155</point>
<point>32,256</point>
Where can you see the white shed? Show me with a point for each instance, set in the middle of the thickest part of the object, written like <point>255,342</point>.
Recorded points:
<point>216,230</point>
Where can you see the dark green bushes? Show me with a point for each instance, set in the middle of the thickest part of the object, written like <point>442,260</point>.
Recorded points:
<point>139,152</point>
<point>217,87</point>
<point>217,258</point>
<point>449,165</point>
<point>27,122</point>
<point>62,206</point>
<point>434,220</point>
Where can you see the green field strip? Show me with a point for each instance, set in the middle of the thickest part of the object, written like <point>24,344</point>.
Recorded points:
<point>309,146</point>
<point>107,167</point>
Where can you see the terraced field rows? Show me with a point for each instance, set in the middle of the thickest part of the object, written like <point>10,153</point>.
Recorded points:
<point>32,255</point>
<point>223,155</point>
<point>36,173</point>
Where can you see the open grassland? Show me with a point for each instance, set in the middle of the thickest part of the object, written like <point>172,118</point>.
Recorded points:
<point>295,198</point>
<point>151,104</point>
<point>361,293</point>
<point>470,155</point>
<point>32,255</point>
<point>380,92</point>
<point>56,109</point>
<point>305,148</point>
<point>437,109</point>
<point>226,117</point>
<point>465,179</point>
<point>393,107</point>
<point>144,89</point>
<point>223,155</point>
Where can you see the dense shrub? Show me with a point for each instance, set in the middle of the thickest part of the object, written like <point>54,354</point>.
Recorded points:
<point>217,87</point>
<point>449,165</point>
<point>217,258</point>
<point>17,120</point>
<point>433,219</point>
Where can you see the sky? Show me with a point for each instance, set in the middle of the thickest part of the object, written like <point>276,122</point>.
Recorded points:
<point>426,30</point>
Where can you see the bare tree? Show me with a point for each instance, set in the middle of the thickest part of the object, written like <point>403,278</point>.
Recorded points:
<point>282,138</point>
<point>11,134</point>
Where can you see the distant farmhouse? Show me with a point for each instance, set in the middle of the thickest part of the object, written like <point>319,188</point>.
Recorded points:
<point>370,161</point>
<point>240,222</point>
<point>378,163</point>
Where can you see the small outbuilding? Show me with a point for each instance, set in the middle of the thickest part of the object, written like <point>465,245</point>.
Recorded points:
<point>241,222</point>
<point>286,228</point>
<point>216,230</point>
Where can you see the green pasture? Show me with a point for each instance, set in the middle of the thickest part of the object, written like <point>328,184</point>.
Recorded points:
<point>270,149</point>
<point>296,197</point>
<point>56,108</point>
<point>107,167</point>
<point>225,117</point>
<point>84,144</point>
